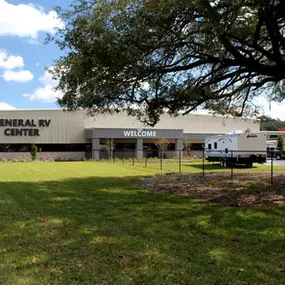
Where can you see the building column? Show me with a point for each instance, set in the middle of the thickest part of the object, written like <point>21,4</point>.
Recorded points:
<point>139,148</point>
<point>95,149</point>
<point>178,147</point>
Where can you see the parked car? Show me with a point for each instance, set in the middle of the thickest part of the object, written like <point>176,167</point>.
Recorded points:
<point>279,154</point>
<point>270,151</point>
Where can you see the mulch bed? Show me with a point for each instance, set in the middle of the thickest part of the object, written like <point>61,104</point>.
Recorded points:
<point>249,189</point>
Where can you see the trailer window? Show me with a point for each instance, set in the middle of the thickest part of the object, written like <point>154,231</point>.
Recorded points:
<point>215,145</point>
<point>273,136</point>
<point>226,150</point>
<point>209,146</point>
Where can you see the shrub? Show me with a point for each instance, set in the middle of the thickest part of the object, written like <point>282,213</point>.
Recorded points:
<point>34,151</point>
<point>280,143</point>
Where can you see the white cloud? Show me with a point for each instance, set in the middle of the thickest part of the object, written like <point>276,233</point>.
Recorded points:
<point>33,41</point>
<point>5,106</point>
<point>46,79</point>
<point>10,61</point>
<point>272,109</point>
<point>17,76</point>
<point>26,20</point>
<point>46,94</point>
<point>145,85</point>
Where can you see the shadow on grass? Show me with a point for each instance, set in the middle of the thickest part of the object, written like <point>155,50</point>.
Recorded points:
<point>216,166</point>
<point>102,230</point>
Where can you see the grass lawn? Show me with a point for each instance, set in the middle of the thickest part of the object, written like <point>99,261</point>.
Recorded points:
<point>87,223</point>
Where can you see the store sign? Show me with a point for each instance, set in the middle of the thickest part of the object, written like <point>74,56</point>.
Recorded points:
<point>20,127</point>
<point>139,133</point>
<point>251,136</point>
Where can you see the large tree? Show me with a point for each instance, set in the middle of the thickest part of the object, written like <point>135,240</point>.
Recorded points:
<point>269,124</point>
<point>148,57</point>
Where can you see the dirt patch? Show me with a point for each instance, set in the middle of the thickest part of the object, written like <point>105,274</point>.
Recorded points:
<point>246,190</point>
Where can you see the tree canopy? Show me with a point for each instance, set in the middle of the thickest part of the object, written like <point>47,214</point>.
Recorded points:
<point>152,56</point>
<point>269,124</point>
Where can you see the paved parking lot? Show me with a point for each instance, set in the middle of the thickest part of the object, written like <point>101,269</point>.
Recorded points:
<point>275,162</point>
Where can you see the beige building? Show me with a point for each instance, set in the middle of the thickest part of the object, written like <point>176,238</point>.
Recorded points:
<point>76,135</point>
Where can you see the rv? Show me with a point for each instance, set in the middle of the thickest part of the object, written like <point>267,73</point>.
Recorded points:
<point>241,148</point>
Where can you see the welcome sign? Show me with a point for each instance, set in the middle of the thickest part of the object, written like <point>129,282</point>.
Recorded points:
<point>132,133</point>
<point>140,133</point>
<point>20,127</point>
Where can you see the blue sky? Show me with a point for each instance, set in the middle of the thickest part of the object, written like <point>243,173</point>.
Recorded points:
<point>24,58</point>
<point>23,55</point>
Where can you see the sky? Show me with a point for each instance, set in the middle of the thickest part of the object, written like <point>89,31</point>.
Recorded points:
<point>24,57</point>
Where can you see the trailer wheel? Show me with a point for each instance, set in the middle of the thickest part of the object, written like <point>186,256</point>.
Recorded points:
<point>278,157</point>
<point>253,158</point>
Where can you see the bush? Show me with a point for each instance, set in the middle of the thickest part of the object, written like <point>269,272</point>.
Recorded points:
<point>34,151</point>
<point>280,143</point>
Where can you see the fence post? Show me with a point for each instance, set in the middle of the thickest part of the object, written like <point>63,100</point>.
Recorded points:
<point>272,167</point>
<point>203,161</point>
<point>114,156</point>
<point>145,159</point>
<point>232,165</point>
<point>161,159</point>
<point>179,161</point>
<point>122,156</point>
<point>133,157</point>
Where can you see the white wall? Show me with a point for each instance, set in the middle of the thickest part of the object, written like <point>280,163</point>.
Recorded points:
<point>193,153</point>
<point>65,127</point>
<point>69,127</point>
<point>42,155</point>
<point>190,123</point>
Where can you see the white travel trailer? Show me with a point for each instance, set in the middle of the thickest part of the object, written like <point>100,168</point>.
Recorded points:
<point>242,148</point>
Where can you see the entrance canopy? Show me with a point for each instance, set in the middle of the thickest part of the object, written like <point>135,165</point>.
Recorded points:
<point>138,134</point>
<point>97,133</point>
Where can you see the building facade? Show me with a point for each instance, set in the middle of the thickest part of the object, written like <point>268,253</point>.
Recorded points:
<point>75,135</point>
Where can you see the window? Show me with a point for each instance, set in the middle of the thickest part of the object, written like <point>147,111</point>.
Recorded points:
<point>226,150</point>
<point>196,146</point>
<point>215,145</point>
<point>209,146</point>
<point>128,146</point>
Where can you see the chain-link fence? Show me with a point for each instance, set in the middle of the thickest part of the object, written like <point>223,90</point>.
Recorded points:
<point>205,162</point>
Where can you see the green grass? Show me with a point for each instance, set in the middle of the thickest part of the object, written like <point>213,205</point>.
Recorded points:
<point>88,223</point>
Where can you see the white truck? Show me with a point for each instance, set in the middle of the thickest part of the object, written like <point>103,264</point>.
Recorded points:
<point>240,148</point>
